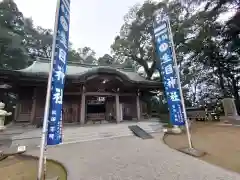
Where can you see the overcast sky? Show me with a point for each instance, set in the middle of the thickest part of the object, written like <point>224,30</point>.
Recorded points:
<point>93,23</point>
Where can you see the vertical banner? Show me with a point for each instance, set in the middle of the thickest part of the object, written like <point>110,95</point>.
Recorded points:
<point>54,135</point>
<point>167,67</point>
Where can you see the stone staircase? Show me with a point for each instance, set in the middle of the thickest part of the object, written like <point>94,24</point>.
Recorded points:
<point>88,133</point>
<point>106,131</point>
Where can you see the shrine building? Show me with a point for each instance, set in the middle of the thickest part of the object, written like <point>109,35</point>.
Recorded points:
<point>92,93</point>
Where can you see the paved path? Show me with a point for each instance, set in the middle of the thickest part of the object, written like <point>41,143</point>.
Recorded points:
<point>130,158</point>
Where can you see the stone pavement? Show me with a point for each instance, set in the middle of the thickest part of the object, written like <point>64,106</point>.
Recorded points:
<point>74,134</point>
<point>131,158</point>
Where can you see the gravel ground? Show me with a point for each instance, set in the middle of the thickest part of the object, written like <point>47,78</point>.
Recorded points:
<point>131,158</point>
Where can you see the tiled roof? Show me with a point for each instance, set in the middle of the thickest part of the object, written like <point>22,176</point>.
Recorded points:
<point>40,67</point>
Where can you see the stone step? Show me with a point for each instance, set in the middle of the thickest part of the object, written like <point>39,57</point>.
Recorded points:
<point>67,139</point>
<point>92,138</point>
<point>106,134</point>
<point>69,135</point>
<point>81,134</point>
<point>89,136</point>
<point>32,135</point>
<point>109,135</point>
<point>76,138</point>
<point>37,133</point>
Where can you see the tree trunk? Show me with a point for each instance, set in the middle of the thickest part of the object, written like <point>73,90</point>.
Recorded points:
<point>150,71</point>
<point>195,94</point>
<point>235,93</point>
<point>235,89</point>
<point>222,85</point>
<point>221,81</point>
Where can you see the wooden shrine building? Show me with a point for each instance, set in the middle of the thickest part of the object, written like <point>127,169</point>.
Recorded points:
<point>92,93</point>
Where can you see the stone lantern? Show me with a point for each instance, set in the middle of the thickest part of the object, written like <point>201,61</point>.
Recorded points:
<point>3,114</point>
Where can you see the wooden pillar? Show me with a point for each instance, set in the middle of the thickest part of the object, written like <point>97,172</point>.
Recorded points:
<point>83,106</point>
<point>79,108</point>
<point>117,108</point>
<point>138,107</point>
<point>34,104</point>
<point>16,111</point>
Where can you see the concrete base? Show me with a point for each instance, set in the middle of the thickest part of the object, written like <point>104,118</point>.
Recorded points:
<point>192,152</point>
<point>55,178</point>
<point>176,130</point>
<point>173,130</point>
<point>165,130</point>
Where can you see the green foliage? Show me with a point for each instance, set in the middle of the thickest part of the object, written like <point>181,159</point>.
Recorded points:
<point>207,49</point>
<point>106,60</point>
<point>135,40</point>
<point>21,42</point>
<point>38,41</point>
<point>74,56</point>
<point>12,51</point>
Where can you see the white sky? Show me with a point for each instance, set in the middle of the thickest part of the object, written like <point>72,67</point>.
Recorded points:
<point>93,23</point>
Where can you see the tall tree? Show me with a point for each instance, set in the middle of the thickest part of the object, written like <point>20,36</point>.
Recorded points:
<point>12,51</point>
<point>199,37</point>
<point>88,55</point>
<point>38,41</point>
<point>216,52</point>
<point>106,60</point>
<point>136,35</point>
<point>135,40</point>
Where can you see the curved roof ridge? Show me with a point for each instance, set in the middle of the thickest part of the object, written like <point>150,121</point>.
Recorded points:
<point>79,64</point>
<point>29,68</point>
<point>42,67</point>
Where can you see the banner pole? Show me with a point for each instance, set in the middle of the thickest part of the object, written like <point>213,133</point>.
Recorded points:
<point>179,84</point>
<point>43,148</point>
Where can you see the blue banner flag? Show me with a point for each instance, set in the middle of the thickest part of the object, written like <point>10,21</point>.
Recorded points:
<point>54,135</point>
<point>166,67</point>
